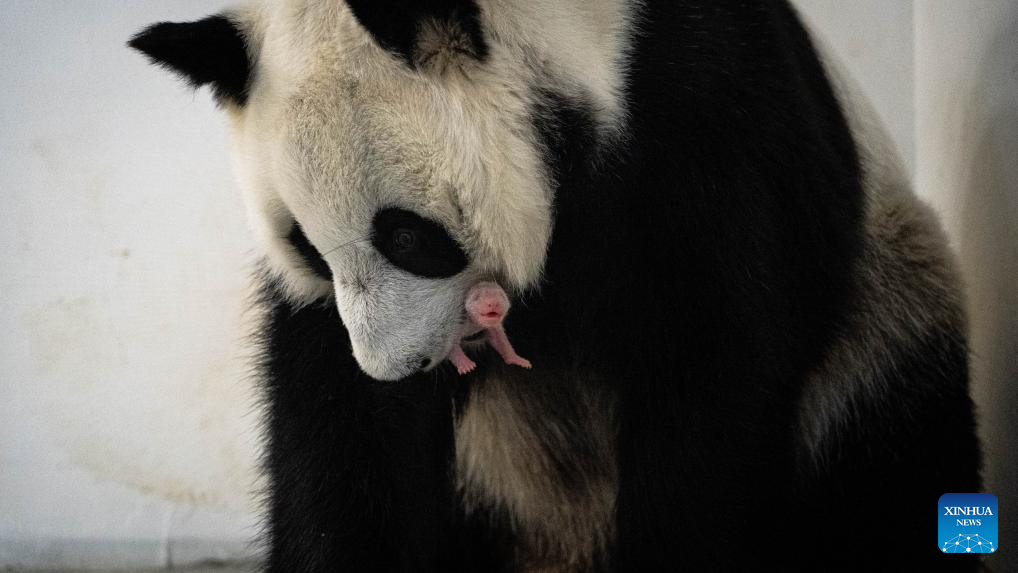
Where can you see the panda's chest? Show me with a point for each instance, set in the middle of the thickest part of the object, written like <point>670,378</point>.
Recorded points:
<point>544,458</point>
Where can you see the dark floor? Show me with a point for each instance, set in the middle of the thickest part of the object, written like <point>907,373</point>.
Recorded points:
<point>241,568</point>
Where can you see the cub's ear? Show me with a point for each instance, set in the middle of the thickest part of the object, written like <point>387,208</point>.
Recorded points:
<point>210,51</point>
<point>424,33</point>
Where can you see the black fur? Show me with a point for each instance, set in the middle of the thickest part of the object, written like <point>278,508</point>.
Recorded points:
<point>723,242</point>
<point>699,270</point>
<point>395,24</point>
<point>312,258</point>
<point>210,51</point>
<point>358,468</point>
<point>896,458</point>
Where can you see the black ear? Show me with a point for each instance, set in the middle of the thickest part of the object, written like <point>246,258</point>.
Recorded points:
<point>415,30</point>
<point>210,51</point>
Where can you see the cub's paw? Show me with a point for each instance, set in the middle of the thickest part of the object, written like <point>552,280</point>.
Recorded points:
<point>519,361</point>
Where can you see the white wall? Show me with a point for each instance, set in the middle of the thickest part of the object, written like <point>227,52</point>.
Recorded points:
<point>122,399</point>
<point>967,153</point>
<point>873,39</point>
<point>125,433</point>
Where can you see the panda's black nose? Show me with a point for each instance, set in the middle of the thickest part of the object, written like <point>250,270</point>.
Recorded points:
<point>425,363</point>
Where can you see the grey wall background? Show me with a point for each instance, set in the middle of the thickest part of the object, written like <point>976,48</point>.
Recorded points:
<point>967,152</point>
<point>125,432</point>
<point>126,429</point>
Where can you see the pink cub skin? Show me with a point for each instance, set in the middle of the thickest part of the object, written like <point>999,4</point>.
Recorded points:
<point>487,306</point>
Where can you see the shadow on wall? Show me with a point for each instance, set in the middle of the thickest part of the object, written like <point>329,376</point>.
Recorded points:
<point>988,252</point>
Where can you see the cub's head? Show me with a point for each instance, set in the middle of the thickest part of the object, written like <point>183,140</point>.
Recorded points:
<point>389,151</point>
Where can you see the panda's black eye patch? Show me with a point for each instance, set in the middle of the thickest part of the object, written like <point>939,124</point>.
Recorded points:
<point>417,245</point>
<point>308,252</point>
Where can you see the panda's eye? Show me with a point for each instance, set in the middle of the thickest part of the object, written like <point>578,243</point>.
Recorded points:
<point>417,245</point>
<point>404,239</point>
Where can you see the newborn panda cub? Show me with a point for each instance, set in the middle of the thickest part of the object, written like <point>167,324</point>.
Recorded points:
<point>487,306</point>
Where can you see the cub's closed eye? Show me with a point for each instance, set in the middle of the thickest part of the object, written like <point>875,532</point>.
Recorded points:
<point>417,245</point>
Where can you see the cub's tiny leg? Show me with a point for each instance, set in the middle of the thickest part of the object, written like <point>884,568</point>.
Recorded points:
<point>460,360</point>
<point>500,342</point>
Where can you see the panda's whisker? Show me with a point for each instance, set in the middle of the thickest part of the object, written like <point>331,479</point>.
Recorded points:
<point>346,244</point>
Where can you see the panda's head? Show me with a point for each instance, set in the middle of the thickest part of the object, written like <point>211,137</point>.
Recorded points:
<point>388,153</point>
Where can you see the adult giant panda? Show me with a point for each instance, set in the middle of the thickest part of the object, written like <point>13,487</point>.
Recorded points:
<point>747,339</point>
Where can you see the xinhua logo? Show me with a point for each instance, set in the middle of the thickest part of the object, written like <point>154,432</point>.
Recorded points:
<point>967,523</point>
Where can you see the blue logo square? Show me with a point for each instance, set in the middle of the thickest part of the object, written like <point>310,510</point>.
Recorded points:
<point>967,523</point>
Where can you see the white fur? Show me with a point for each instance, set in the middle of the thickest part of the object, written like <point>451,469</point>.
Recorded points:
<point>336,128</point>
<point>553,477</point>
